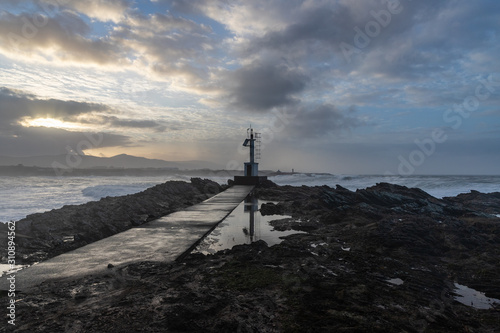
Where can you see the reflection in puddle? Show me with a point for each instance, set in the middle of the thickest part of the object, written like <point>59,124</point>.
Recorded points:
<point>474,298</point>
<point>396,281</point>
<point>244,225</point>
<point>7,269</point>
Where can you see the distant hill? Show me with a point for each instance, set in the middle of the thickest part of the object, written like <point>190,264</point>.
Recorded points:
<point>90,162</point>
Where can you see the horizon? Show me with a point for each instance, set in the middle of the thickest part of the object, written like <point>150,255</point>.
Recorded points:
<point>368,88</point>
<point>284,171</point>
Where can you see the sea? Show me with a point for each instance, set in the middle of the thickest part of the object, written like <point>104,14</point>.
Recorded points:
<point>21,196</point>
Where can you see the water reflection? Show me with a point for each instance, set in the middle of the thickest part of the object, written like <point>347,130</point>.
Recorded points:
<point>251,206</point>
<point>244,225</point>
<point>474,298</point>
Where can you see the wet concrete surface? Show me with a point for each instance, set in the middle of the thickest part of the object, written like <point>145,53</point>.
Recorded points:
<point>164,239</point>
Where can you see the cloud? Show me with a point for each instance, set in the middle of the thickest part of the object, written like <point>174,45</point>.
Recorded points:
<point>261,87</point>
<point>102,10</point>
<point>414,42</point>
<point>322,121</point>
<point>240,17</point>
<point>327,24</point>
<point>15,105</point>
<point>115,122</point>
<point>61,37</point>
<point>159,22</point>
<point>34,141</point>
<point>136,42</point>
<point>255,56</point>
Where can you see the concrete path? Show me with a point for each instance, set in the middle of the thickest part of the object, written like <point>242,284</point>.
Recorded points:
<point>164,239</point>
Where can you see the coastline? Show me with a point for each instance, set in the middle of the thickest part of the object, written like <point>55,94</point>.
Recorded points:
<point>41,236</point>
<point>382,259</point>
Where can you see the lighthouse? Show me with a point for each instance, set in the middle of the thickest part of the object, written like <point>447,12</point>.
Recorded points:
<point>251,168</point>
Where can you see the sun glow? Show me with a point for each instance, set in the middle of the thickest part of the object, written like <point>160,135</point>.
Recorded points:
<point>49,122</point>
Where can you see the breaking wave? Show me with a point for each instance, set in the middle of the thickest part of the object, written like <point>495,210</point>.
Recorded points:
<point>101,191</point>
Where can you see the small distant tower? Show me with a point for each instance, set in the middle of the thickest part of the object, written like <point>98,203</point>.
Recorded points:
<point>251,168</point>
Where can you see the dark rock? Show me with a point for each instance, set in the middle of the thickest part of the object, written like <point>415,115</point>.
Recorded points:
<point>271,209</point>
<point>206,186</point>
<point>267,184</point>
<point>476,201</point>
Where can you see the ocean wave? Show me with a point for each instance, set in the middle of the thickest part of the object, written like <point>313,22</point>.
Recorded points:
<point>438,186</point>
<point>101,191</point>
<point>23,196</point>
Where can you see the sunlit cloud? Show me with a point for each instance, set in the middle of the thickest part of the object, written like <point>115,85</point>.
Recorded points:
<point>49,123</point>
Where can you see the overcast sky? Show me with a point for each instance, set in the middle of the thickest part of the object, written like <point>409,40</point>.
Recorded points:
<point>342,86</point>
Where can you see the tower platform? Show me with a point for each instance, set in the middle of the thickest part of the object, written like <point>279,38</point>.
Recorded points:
<point>249,180</point>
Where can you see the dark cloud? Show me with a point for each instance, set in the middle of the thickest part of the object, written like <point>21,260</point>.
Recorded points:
<point>64,35</point>
<point>132,123</point>
<point>323,120</point>
<point>15,105</point>
<point>114,122</point>
<point>17,140</point>
<point>261,87</point>
<point>422,38</point>
<point>326,24</point>
<point>34,141</point>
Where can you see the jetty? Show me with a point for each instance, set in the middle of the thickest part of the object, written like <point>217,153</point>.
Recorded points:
<point>164,239</point>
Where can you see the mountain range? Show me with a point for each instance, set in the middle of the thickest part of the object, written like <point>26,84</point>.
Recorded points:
<point>122,161</point>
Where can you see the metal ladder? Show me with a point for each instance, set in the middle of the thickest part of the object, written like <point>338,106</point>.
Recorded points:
<point>258,138</point>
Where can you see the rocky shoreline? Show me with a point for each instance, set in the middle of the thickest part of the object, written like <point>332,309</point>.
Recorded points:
<point>382,259</point>
<point>44,235</point>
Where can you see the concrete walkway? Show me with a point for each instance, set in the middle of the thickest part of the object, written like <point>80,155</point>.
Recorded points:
<point>164,239</point>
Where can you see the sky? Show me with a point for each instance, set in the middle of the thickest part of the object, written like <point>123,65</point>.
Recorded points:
<point>348,87</point>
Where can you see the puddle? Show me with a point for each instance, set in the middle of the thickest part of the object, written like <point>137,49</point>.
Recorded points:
<point>68,239</point>
<point>474,298</point>
<point>6,269</point>
<point>396,281</point>
<point>244,225</point>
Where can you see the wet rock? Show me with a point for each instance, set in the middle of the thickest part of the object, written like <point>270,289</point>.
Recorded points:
<point>271,209</point>
<point>332,279</point>
<point>477,201</point>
